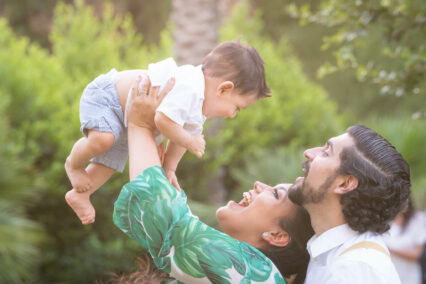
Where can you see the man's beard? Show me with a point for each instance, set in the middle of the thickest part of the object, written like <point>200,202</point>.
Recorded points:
<point>304,193</point>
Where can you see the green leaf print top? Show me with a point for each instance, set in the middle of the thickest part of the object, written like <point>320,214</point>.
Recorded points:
<point>154,214</point>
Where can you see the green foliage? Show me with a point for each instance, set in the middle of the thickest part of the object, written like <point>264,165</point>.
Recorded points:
<point>19,240</point>
<point>270,166</point>
<point>381,40</point>
<point>299,112</point>
<point>91,259</point>
<point>149,17</point>
<point>40,93</point>
<point>19,237</point>
<point>352,97</point>
<point>206,213</point>
<point>85,45</point>
<point>32,18</point>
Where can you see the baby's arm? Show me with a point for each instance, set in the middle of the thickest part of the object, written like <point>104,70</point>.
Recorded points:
<point>193,142</point>
<point>174,154</point>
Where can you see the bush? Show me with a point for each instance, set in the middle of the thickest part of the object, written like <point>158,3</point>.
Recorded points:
<point>20,237</point>
<point>43,90</point>
<point>270,166</point>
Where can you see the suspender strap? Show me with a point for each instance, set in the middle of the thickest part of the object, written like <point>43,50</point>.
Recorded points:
<point>366,244</point>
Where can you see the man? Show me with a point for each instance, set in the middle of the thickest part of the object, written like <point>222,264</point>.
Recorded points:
<point>353,187</point>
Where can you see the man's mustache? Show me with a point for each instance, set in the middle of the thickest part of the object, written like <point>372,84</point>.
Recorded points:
<point>306,167</point>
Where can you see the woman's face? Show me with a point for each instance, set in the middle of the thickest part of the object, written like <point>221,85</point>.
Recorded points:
<point>259,211</point>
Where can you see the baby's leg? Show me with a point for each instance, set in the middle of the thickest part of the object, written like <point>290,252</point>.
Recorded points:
<point>80,202</point>
<point>95,144</point>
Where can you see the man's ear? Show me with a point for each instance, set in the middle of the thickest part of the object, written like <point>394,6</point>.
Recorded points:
<point>225,88</point>
<point>279,238</point>
<point>346,184</point>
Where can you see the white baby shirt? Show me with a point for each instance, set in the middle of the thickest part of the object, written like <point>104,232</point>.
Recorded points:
<point>184,103</point>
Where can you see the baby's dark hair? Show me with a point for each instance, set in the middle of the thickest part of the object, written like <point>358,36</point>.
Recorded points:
<point>240,64</point>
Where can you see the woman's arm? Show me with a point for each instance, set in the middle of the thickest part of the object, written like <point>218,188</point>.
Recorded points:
<point>142,148</point>
<point>151,212</point>
<point>413,254</point>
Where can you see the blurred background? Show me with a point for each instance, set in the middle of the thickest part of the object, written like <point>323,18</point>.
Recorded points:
<point>330,64</point>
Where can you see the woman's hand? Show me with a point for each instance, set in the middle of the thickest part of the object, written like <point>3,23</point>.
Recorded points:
<point>144,102</point>
<point>142,148</point>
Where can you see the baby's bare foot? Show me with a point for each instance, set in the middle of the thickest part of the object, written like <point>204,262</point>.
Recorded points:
<point>78,177</point>
<point>80,203</point>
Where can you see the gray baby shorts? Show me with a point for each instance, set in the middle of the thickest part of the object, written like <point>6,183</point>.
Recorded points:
<point>100,110</point>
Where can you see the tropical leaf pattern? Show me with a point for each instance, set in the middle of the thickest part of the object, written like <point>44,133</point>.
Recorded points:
<point>154,214</point>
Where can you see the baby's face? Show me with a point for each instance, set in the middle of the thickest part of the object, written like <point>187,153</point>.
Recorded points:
<point>227,105</point>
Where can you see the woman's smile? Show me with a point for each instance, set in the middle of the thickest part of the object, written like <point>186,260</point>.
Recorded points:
<point>247,199</point>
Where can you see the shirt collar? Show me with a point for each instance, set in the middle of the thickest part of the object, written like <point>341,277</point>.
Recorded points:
<point>330,239</point>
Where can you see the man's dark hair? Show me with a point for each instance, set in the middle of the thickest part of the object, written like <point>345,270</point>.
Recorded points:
<point>383,181</point>
<point>240,64</point>
<point>293,258</point>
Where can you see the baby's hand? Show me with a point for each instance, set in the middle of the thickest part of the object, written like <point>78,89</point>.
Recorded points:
<point>197,145</point>
<point>171,177</point>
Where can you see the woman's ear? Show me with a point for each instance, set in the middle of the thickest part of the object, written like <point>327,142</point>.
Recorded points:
<point>278,238</point>
<point>225,88</point>
<point>346,184</point>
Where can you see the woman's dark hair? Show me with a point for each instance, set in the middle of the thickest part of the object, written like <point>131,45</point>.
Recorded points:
<point>293,258</point>
<point>146,273</point>
<point>383,181</point>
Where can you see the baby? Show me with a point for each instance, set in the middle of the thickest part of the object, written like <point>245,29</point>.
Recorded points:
<point>230,78</point>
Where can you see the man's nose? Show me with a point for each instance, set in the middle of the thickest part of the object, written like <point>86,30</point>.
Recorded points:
<point>310,154</point>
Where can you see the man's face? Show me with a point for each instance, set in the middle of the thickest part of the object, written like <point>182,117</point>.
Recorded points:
<point>320,170</point>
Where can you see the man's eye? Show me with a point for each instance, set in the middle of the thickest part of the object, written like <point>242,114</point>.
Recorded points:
<point>276,193</point>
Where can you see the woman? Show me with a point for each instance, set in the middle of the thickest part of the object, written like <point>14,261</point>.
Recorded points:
<point>406,241</point>
<point>153,213</point>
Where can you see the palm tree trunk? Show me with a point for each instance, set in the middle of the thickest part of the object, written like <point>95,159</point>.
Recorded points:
<point>195,33</point>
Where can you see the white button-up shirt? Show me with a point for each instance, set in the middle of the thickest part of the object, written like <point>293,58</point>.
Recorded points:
<point>184,103</point>
<point>358,266</point>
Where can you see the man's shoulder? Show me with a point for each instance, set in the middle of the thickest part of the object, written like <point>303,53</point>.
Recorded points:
<point>358,270</point>
<point>368,256</point>
<point>366,247</point>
